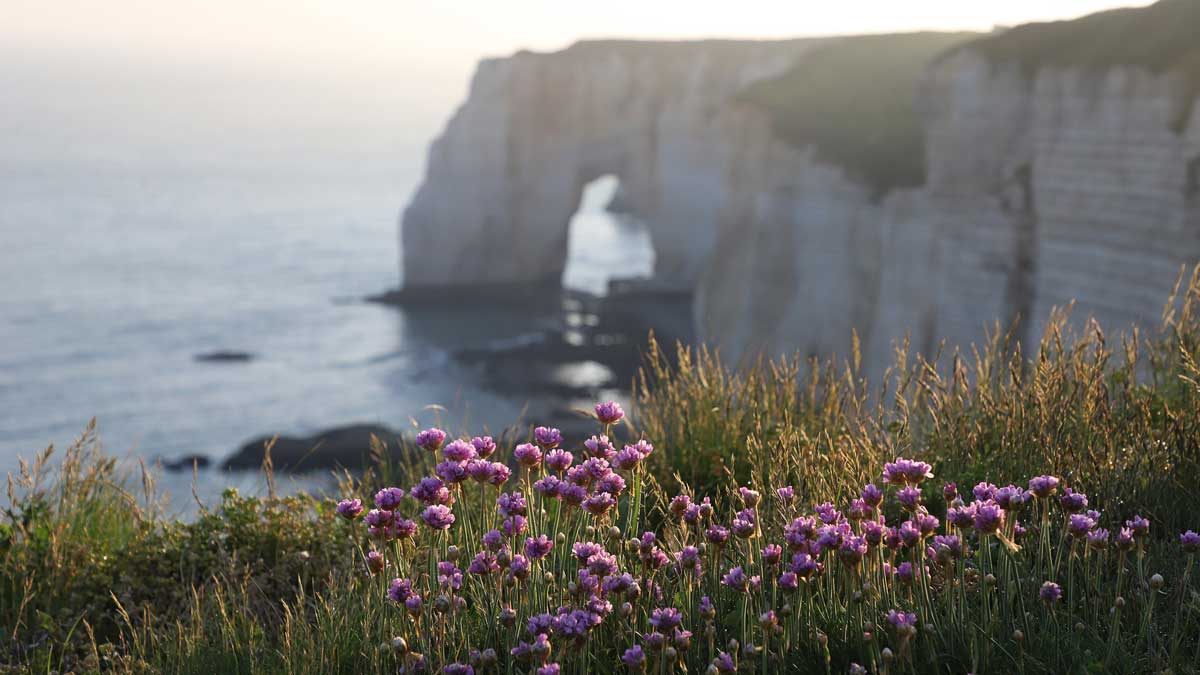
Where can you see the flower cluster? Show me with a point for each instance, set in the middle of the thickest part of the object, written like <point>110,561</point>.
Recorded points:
<point>558,569</point>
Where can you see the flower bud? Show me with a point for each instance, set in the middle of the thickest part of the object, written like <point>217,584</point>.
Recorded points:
<point>990,580</point>
<point>1119,603</point>
<point>548,577</point>
<point>442,604</point>
<point>508,617</point>
<point>670,654</point>
<point>887,655</point>
<point>626,610</point>
<point>786,610</point>
<point>1156,582</point>
<point>1018,636</point>
<point>614,533</point>
<point>487,658</point>
<point>452,553</point>
<point>561,539</point>
<point>868,636</point>
<point>400,645</point>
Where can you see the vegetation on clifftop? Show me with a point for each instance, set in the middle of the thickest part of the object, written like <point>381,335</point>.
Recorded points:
<point>804,565</point>
<point>854,100</point>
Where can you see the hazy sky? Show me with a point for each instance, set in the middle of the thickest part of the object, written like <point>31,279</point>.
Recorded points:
<point>339,83</point>
<point>449,32</point>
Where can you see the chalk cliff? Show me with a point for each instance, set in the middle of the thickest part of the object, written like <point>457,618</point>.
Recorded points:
<point>1035,177</point>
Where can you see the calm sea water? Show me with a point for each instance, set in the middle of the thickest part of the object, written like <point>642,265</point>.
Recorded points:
<point>114,275</point>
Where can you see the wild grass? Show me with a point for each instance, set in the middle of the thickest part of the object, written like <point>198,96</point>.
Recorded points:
<point>94,579</point>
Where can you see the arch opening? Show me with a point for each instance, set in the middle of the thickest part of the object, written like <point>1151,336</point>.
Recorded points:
<point>606,241</point>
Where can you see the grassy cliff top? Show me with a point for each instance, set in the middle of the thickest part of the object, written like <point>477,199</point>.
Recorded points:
<point>854,100</point>
<point>1161,37</point>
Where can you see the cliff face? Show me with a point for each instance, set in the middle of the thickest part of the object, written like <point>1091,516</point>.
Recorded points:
<point>506,176</point>
<point>1040,184</point>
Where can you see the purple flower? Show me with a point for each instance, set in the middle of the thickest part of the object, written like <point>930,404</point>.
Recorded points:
<point>1097,539</point>
<point>1073,502</point>
<point>786,494</point>
<point>634,658</point>
<point>514,526</point>
<point>538,548</point>
<point>484,446</point>
<point>438,517</point>
<point>528,455</point>
<point>518,567</point>
<point>1050,593</point>
<point>906,472</point>
<point>858,510</point>
<point>984,491</point>
<point>413,604</point>
<point>400,591</point>
<point>547,437</point>
<point>493,540</point>
<point>643,446</point>
<point>547,486</point>
<point>665,618</point>
<point>749,497</point>
<point>1011,498</point>
<point>403,528</point>
<point>901,620</point>
<point>827,513</point>
<point>872,495</point>
<point>431,439</point>
<point>459,450</point>
<point>375,562</point>
<point>788,581</point>
<point>609,412</point>
<point>627,458</point>
<point>949,492</point>
<point>904,573</point>
<point>1043,486</point>
<point>1190,541</point>
<point>457,669</point>
<point>706,608</point>
<point>1124,540</point>
<point>679,505</point>
<point>988,517</point>
<point>586,549</point>
<point>852,550</point>
<point>910,534</point>
<point>484,562</point>
<point>735,579</point>
<point>599,446</point>
<point>510,503</point>
<point>559,460</point>
<point>872,532</point>
<point>1139,525</point>
<point>1079,524</point>
<point>430,490</point>
<point>599,503</point>
<point>499,474</point>
<point>909,497</point>
<point>550,669</point>
<point>451,472</point>
<point>572,494</point>
<point>772,554</point>
<point>805,565</point>
<point>350,508</point>
<point>613,484</point>
<point>724,663</point>
<point>717,535</point>
<point>743,524</point>
<point>378,518</point>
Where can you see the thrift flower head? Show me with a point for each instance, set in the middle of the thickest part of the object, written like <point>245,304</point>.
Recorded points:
<point>1043,486</point>
<point>984,491</point>
<point>499,474</point>
<point>902,620</point>
<point>679,504</point>
<point>599,446</point>
<point>1079,524</point>
<point>350,508</point>
<point>375,562</point>
<point>510,503</point>
<point>1050,593</point>
<point>872,495</point>
<point>438,517</point>
<point>988,518</point>
<point>665,618</point>
<point>786,494</point>
<point>484,446</point>
<point>906,472</point>
<point>909,497</point>
<point>627,458</point>
<point>559,460</point>
<point>950,492</point>
<point>459,450</point>
<point>431,439</point>
<point>1073,502</point>
<point>634,658</point>
<point>1097,539</point>
<point>528,455</point>
<point>609,412</point>
<point>1190,541</point>
<point>1139,525</point>
<point>538,548</point>
<point>599,503</point>
<point>547,437</point>
<point>735,579</point>
<point>749,497</point>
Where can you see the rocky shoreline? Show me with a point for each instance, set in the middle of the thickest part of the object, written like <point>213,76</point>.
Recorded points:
<point>591,348</point>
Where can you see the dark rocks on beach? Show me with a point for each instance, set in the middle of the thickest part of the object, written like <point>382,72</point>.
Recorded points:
<point>348,446</point>
<point>224,356</point>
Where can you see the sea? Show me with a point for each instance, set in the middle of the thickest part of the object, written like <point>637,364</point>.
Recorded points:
<point>153,214</point>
